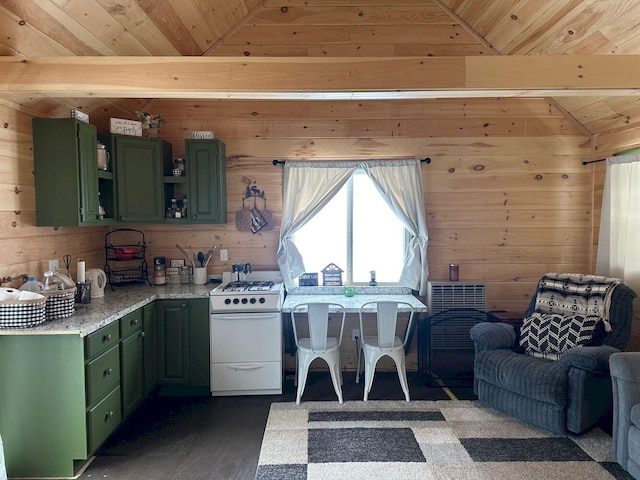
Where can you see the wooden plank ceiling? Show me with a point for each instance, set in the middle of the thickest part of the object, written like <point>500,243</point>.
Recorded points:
<point>324,28</point>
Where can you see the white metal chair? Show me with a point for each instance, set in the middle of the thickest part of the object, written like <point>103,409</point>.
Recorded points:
<point>373,348</point>
<point>319,344</point>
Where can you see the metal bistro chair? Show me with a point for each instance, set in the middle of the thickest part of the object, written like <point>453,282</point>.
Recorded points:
<point>373,348</point>
<point>318,345</point>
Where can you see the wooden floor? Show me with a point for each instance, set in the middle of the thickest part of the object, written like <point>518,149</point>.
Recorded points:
<point>219,437</point>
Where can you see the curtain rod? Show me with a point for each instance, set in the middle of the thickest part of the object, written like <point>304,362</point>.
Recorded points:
<point>594,161</point>
<point>282,162</point>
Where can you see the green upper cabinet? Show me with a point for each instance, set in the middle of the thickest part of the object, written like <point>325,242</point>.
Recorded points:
<point>69,187</point>
<point>206,170</point>
<point>138,164</point>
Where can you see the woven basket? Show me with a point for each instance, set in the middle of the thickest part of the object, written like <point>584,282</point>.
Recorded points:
<point>60,303</point>
<point>22,314</point>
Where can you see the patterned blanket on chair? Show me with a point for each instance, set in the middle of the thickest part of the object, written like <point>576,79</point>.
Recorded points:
<point>575,294</point>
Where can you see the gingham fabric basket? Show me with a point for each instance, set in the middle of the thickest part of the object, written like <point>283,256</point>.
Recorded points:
<point>60,303</point>
<point>22,314</point>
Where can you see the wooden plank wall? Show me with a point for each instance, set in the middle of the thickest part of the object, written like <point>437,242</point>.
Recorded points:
<point>606,145</point>
<point>506,194</point>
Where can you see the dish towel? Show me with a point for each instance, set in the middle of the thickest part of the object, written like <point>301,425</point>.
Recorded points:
<point>3,470</point>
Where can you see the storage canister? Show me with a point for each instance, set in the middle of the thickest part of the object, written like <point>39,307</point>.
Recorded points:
<point>160,270</point>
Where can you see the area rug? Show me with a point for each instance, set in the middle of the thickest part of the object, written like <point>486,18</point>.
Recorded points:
<point>395,440</point>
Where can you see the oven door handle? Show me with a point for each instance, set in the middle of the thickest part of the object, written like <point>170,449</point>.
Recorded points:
<point>246,366</point>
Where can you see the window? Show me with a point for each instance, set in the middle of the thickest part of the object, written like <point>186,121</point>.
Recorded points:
<point>358,232</point>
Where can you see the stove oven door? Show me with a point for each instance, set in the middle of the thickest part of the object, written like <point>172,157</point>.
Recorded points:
<point>246,353</point>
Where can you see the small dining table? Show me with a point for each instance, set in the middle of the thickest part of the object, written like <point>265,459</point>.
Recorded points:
<point>352,305</point>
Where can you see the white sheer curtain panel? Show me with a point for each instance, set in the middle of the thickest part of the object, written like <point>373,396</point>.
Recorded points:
<point>308,186</point>
<point>400,184</point>
<point>619,239</point>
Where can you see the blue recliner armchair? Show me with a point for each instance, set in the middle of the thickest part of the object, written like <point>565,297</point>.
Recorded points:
<point>571,392</point>
<point>625,375</point>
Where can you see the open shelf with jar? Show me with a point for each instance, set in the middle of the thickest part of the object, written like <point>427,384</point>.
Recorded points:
<point>176,192</point>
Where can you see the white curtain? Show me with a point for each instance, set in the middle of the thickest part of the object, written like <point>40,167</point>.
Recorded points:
<point>619,240</point>
<point>308,186</point>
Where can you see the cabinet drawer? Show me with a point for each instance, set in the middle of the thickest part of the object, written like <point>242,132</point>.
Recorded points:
<point>130,323</point>
<point>246,377</point>
<point>102,340</point>
<point>102,374</point>
<point>103,419</point>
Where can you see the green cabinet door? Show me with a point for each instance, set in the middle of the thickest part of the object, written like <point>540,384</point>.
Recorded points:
<point>131,361</point>
<point>199,363</point>
<point>150,346</point>
<point>183,352</point>
<point>138,168</point>
<point>173,355</point>
<point>206,170</point>
<point>66,173</point>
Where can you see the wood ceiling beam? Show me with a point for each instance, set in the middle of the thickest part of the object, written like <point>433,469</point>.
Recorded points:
<point>323,78</point>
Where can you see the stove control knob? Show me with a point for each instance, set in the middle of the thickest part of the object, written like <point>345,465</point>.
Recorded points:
<point>227,301</point>
<point>261,300</point>
<point>236,301</point>
<point>252,300</point>
<point>244,301</point>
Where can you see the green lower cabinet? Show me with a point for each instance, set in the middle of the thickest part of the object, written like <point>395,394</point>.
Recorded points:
<point>42,404</point>
<point>150,347</point>
<point>62,396</point>
<point>183,353</point>
<point>132,362</point>
<point>199,363</point>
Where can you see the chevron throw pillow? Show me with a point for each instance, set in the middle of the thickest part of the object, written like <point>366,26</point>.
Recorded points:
<point>548,335</point>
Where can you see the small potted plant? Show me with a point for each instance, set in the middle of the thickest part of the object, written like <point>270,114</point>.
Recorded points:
<point>150,123</point>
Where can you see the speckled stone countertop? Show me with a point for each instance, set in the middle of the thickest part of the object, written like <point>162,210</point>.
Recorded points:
<point>297,295</point>
<point>114,305</point>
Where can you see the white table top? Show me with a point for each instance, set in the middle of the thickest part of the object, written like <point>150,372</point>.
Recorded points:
<point>352,304</point>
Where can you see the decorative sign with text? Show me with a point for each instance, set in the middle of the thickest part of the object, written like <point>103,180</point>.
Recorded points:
<point>202,135</point>
<point>126,127</point>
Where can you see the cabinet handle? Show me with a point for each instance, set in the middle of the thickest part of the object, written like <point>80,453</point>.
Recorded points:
<point>107,338</point>
<point>193,217</point>
<point>184,305</point>
<point>134,321</point>
<point>123,218</point>
<point>142,334</point>
<point>108,371</point>
<point>108,415</point>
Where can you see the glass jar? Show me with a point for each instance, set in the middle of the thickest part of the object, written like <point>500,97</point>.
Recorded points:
<point>178,164</point>
<point>52,282</point>
<point>103,157</point>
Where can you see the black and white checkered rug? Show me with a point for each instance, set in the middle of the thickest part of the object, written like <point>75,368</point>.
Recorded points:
<point>395,440</point>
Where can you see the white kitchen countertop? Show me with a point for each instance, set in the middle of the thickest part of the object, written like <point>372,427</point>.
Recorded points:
<point>114,305</point>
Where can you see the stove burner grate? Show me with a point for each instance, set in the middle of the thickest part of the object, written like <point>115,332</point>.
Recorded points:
<point>244,286</point>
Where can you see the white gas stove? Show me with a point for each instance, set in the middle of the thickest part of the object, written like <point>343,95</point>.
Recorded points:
<point>246,336</point>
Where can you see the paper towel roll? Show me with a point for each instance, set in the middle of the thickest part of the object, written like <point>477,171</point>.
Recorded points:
<point>80,272</point>
<point>9,294</point>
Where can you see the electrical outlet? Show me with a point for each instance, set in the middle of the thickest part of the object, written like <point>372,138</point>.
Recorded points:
<point>224,255</point>
<point>54,265</point>
<point>355,333</point>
